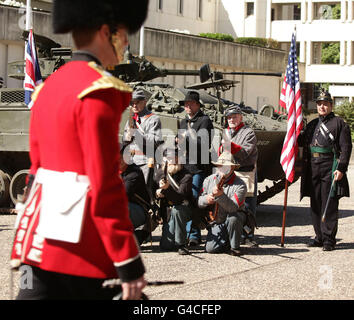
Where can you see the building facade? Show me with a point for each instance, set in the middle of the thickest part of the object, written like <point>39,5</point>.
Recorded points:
<point>324,32</point>
<point>166,49</point>
<point>322,27</point>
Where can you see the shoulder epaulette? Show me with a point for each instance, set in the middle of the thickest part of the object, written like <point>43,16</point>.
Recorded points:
<point>107,81</point>
<point>36,92</point>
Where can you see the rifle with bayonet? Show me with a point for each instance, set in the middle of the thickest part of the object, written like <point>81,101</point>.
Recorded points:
<point>162,202</point>
<point>214,214</point>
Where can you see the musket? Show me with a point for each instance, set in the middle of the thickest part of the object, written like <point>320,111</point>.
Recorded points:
<point>164,177</point>
<point>116,284</point>
<point>162,201</point>
<point>329,196</point>
<point>214,214</point>
<point>131,120</point>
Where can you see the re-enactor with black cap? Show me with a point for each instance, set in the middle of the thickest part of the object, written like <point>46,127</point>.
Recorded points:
<point>74,228</point>
<point>327,149</point>
<point>142,132</point>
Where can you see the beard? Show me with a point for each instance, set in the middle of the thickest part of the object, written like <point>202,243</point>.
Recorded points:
<point>174,168</point>
<point>225,171</point>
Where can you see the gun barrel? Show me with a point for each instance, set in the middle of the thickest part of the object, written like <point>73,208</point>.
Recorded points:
<point>268,74</point>
<point>179,72</point>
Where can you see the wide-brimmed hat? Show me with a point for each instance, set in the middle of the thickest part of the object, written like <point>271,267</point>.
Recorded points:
<point>69,15</point>
<point>324,96</point>
<point>226,159</point>
<point>191,96</point>
<point>233,110</point>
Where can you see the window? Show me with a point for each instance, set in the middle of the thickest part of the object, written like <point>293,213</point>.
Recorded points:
<point>325,11</point>
<point>180,7</point>
<point>286,11</point>
<point>297,12</point>
<point>325,52</point>
<point>200,9</point>
<point>159,5</point>
<point>340,100</point>
<point>249,9</point>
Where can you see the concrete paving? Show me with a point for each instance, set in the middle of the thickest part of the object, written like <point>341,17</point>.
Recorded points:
<point>270,272</point>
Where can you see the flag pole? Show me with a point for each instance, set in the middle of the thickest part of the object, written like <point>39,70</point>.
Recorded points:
<point>28,15</point>
<point>284,213</point>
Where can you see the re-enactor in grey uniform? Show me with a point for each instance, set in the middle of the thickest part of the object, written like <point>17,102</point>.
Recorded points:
<point>142,132</point>
<point>241,141</point>
<point>225,233</point>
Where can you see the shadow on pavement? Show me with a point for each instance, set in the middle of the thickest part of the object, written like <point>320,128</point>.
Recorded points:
<point>275,240</point>
<point>272,216</point>
<point>344,246</point>
<point>5,228</point>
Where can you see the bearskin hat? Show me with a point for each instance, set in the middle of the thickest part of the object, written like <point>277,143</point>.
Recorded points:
<point>70,15</point>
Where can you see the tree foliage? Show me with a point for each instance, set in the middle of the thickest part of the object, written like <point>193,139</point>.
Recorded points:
<point>218,36</point>
<point>251,41</point>
<point>330,53</point>
<point>260,42</point>
<point>346,111</point>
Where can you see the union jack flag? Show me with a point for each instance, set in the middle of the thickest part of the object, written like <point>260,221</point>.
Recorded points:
<point>290,99</point>
<point>33,75</point>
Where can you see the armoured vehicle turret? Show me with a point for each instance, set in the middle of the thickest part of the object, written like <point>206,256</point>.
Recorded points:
<point>269,127</point>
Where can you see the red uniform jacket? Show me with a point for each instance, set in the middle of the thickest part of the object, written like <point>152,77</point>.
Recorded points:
<point>74,127</point>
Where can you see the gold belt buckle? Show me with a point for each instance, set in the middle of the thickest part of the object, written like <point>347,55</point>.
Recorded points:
<point>316,154</point>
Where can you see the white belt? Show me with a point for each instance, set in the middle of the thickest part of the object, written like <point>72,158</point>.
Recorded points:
<point>43,175</point>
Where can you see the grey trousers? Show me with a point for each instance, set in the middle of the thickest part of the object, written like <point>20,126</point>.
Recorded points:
<point>221,237</point>
<point>174,232</point>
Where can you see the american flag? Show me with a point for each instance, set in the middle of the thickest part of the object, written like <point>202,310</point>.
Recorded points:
<point>33,75</point>
<point>290,99</point>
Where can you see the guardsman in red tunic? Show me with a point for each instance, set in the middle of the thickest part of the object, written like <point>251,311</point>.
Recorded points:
<point>74,228</point>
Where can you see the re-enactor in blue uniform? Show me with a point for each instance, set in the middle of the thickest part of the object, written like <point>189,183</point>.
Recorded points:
<point>327,149</point>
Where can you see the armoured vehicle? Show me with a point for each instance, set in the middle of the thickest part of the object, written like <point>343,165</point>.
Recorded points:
<point>163,100</point>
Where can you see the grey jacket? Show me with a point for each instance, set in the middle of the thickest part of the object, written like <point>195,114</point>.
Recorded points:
<point>246,139</point>
<point>230,201</point>
<point>146,139</point>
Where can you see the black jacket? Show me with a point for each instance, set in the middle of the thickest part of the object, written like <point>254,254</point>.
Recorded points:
<point>134,183</point>
<point>175,197</point>
<point>342,146</point>
<point>199,122</point>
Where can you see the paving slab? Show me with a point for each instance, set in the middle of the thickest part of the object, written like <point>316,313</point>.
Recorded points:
<point>269,272</point>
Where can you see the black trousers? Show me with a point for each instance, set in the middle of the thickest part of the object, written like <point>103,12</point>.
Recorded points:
<point>45,285</point>
<point>321,184</point>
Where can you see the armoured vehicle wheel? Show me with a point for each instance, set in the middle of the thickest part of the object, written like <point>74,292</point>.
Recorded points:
<point>4,189</point>
<point>17,185</point>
